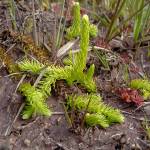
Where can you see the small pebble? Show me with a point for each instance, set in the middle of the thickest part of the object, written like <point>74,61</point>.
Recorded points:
<point>27,142</point>
<point>123,139</point>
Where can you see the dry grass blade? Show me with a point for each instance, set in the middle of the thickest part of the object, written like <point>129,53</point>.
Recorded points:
<point>65,48</point>
<point>34,23</point>
<point>12,11</point>
<point>58,38</point>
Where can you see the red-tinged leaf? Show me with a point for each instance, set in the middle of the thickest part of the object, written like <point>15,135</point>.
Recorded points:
<point>130,96</point>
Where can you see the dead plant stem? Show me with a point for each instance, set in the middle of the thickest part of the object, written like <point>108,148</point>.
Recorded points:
<point>34,23</point>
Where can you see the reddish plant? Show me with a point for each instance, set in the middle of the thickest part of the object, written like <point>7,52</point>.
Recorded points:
<point>130,96</point>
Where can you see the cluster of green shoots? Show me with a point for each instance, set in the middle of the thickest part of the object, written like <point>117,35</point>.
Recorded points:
<point>98,113</point>
<point>73,72</point>
<point>143,86</point>
<point>75,30</point>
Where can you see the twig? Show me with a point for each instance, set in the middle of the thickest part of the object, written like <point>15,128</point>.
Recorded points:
<point>47,47</point>
<point>145,104</point>
<point>139,119</point>
<point>40,76</point>
<point>8,130</point>
<point>29,124</point>
<point>36,119</point>
<point>12,74</point>
<point>131,115</point>
<point>61,146</point>
<point>58,113</point>
<point>144,142</point>
<point>125,112</point>
<point>9,49</point>
<point>23,77</point>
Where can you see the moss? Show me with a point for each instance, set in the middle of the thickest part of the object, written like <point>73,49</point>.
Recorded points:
<point>41,54</point>
<point>8,61</point>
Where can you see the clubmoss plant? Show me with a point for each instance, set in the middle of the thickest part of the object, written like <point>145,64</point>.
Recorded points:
<point>71,73</point>
<point>35,101</point>
<point>74,72</point>
<point>74,30</point>
<point>98,112</point>
<point>30,66</point>
<point>96,119</point>
<point>79,62</point>
<point>143,85</point>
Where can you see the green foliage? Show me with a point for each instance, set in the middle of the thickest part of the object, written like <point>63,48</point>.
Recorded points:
<point>141,18</point>
<point>118,10</point>
<point>87,79</point>
<point>138,19</point>
<point>30,66</point>
<point>93,104</point>
<point>93,30</point>
<point>35,101</point>
<point>88,83</point>
<point>143,85</point>
<point>68,61</point>
<point>145,21</point>
<point>73,72</point>
<point>133,13</point>
<point>96,119</point>
<point>79,62</point>
<point>76,28</point>
<point>53,74</point>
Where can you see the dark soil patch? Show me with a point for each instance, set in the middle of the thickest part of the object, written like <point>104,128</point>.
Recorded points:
<point>54,133</point>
